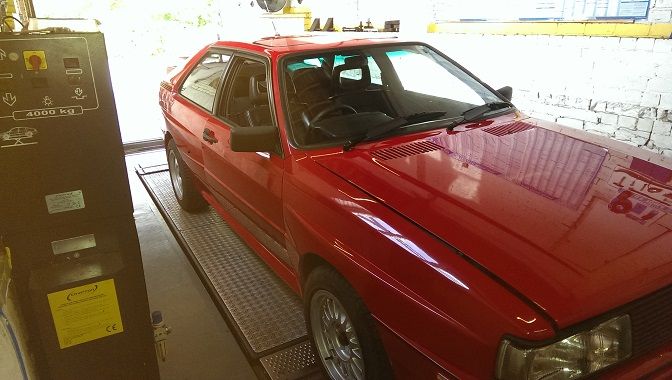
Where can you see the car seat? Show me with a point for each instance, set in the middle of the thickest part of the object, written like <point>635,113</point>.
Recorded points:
<point>312,89</point>
<point>260,112</point>
<point>343,85</point>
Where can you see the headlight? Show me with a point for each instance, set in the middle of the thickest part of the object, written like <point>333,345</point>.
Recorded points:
<point>571,358</point>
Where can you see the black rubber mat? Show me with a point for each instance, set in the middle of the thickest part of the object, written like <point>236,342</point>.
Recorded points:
<point>264,313</point>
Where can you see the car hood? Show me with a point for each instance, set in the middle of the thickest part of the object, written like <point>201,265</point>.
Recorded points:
<point>576,223</point>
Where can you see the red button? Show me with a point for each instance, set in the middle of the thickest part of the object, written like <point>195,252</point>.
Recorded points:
<point>35,61</point>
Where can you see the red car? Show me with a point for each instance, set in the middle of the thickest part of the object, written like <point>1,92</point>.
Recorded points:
<point>432,229</point>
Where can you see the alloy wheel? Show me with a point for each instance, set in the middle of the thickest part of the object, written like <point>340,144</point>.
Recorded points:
<point>335,337</point>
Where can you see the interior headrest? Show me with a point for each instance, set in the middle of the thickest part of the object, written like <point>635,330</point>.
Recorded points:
<point>352,63</point>
<point>258,89</point>
<point>309,76</point>
<point>311,84</point>
<point>356,61</point>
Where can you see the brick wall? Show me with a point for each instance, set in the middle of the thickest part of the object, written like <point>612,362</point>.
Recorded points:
<point>617,87</point>
<point>660,11</point>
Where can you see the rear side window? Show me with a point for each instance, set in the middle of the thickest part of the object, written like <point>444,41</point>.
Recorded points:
<point>201,85</point>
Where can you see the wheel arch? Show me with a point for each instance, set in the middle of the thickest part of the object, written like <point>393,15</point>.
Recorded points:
<point>309,262</point>
<point>369,330</point>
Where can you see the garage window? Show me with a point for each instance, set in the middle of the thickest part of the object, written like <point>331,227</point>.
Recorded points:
<point>201,85</point>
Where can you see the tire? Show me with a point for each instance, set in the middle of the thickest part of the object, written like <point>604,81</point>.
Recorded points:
<point>347,343</point>
<point>184,182</point>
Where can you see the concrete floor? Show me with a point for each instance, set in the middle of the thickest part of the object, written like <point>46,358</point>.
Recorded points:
<point>201,346</point>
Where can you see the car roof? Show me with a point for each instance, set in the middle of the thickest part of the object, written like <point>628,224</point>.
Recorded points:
<point>310,42</point>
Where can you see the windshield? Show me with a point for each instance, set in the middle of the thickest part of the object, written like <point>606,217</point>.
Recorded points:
<point>334,96</point>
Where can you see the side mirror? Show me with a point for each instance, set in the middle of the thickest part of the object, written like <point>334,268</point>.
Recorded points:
<point>263,138</point>
<point>506,92</point>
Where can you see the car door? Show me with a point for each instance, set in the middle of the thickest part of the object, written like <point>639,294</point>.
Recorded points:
<point>193,106</point>
<point>249,184</point>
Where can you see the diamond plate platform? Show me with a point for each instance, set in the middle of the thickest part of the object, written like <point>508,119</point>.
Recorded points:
<point>265,312</point>
<point>159,184</point>
<point>265,309</point>
<point>299,359</point>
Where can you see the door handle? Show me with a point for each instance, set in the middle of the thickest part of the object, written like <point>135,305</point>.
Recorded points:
<point>209,136</point>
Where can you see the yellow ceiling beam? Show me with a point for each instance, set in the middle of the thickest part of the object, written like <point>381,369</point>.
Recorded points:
<point>607,29</point>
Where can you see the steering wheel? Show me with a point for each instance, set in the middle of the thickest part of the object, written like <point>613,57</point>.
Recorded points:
<point>334,107</point>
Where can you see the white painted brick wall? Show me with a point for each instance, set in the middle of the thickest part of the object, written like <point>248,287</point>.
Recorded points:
<point>627,122</point>
<point>607,118</point>
<point>660,15</point>
<point>660,11</point>
<point>665,142</point>
<point>645,44</point>
<point>659,84</point>
<point>662,46</point>
<point>574,123</point>
<point>665,101</point>
<point>617,87</point>
<point>663,128</point>
<point>651,99</point>
<point>645,125</point>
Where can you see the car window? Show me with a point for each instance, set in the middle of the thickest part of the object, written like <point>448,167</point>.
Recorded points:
<point>337,95</point>
<point>376,75</point>
<point>414,68</point>
<point>247,103</point>
<point>356,74</point>
<point>201,85</point>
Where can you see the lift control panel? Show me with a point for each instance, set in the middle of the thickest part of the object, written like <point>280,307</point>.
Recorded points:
<point>56,109</point>
<point>66,210</point>
<point>46,79</point>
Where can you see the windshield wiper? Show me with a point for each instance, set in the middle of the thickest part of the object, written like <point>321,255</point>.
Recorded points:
<point>402,121</point>
<point>393,124</point>
<point>477,112</point>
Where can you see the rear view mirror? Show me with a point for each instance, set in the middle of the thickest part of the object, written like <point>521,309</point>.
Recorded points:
<point>263,138</point>
<point>506,92</point>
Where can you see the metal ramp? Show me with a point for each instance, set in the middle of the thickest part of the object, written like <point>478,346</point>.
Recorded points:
<point>262,311</point>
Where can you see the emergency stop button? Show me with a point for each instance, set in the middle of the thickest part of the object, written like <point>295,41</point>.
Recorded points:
<point>35,60</point>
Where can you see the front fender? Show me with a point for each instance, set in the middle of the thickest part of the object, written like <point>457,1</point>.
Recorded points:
<point>417,286</point>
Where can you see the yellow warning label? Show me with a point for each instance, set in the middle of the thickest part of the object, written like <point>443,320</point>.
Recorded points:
<point>85,313</point>
<point>35,59</point>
